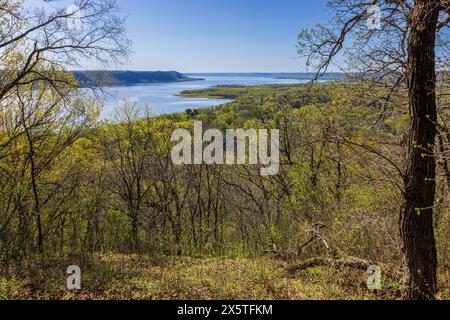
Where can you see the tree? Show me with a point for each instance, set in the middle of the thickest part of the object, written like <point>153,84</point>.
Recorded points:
<point>32,36</point>
<point>400,54</point>
<point>51,124</point>
<point>126,147</point>
<point>43,109</point>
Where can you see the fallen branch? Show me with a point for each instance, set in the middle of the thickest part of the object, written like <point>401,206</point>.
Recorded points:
<point>350,262</point>
<point>335,260</point>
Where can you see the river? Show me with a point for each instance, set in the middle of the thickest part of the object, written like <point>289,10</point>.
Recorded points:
<point>162,97</point>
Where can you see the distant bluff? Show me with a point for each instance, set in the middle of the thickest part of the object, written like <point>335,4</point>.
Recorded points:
<point>123,78</point>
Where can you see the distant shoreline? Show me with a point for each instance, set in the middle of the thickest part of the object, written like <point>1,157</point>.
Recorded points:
<point>132,84</point>
<point>97,78</point>
<point>276,75</point>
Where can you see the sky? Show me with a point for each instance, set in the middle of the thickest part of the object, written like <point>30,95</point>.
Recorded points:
<point>218,35</point>
<point>213,35</point>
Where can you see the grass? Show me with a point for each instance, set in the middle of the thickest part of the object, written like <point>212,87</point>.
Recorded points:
<point>121,277</point>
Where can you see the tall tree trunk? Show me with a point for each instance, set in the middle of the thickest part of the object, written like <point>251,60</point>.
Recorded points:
<point>135,233</point>
<point>416,220</point>
<point>177,234</point>
<point>445,166</point>
<point>36,206</point>
<point>37,212</point>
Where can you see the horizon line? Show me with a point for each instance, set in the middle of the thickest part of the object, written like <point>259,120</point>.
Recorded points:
<point>207,72</point>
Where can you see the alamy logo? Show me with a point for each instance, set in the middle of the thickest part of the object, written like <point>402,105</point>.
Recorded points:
<point>74,19</point>
<point>374,20</point>
<point>374,280</point>
<point>232,151</point>
<point>74,279</point>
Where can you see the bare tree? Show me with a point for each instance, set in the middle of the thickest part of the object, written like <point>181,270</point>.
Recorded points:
<point>398,54</point>
<point>36,41</point>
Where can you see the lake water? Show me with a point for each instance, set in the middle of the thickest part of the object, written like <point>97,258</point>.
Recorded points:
<point>162,99</point>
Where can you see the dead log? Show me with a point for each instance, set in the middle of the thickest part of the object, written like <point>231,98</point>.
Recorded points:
<point>350,262</point>
<point>335,260</point>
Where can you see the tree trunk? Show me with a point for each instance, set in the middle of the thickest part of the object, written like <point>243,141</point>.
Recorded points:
<point>177,234</point>
<point>36,205</point>
<point>135,233</point>
<point>416,219</point>
<point>445,166</point>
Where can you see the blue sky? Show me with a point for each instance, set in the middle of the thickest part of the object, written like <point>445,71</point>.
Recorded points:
<point>218,35</point>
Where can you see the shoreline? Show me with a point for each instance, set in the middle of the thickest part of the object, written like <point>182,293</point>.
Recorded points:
<point>112,85</point>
